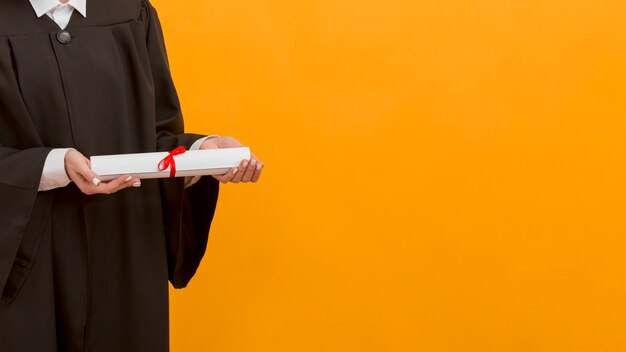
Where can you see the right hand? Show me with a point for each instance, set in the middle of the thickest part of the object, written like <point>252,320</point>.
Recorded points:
<point>78,169</point>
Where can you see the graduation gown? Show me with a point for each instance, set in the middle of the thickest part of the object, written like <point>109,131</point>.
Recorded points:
<point>90,273</point>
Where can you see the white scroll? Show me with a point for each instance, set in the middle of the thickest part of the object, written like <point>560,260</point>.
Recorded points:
<point>191,163</point>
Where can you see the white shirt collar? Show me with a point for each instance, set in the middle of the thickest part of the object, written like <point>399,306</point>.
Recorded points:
<point>42,7</point>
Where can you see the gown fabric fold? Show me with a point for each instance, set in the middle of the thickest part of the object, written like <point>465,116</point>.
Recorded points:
<point>90,273</point>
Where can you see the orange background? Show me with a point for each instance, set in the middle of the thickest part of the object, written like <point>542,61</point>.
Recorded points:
<point>441,175</point>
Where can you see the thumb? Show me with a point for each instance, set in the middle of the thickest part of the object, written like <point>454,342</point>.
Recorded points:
<point>85,171</point>
<point>209,143</point>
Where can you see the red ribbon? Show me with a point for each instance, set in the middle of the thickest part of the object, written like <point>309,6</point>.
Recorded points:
<point>169,161</point>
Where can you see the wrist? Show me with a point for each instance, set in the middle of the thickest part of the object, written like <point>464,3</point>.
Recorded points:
<point>54,173</point>
<point>69,156</point>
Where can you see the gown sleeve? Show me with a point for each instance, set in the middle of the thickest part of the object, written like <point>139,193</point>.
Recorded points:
<point>21,161</point>
<point>20,171</point>
<point>188,212</point>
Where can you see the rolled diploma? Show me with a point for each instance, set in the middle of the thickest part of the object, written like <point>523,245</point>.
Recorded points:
<point>191,163</point>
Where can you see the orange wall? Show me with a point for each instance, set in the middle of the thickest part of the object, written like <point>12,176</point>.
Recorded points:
<point>441,175</point>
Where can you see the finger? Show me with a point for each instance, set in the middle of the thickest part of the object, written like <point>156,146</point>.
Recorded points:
<point>227,177</point>
<point>247,176</point>
<point>115,185</point>
<point>85,171</point>
<point>86,186</point>
<point>134,182</point>
<point>241,170</point>
<point>220,177</point>
<point>209,143</point>
<point>129,182</point>
<point>257,172</point>
<point>79,179</point>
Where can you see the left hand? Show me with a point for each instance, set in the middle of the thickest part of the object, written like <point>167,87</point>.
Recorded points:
<point>247,171</point>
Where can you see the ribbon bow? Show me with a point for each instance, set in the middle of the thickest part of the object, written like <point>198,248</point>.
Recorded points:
<point>169,161</point>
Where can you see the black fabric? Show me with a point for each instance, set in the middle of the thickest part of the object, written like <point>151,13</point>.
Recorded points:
<point>89,273</point>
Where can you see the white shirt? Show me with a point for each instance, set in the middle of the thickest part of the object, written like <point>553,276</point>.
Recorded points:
<point>54,175</point>
<point>60,13</point>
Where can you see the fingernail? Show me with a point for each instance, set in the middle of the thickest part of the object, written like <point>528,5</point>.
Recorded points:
<point>235,170</point>
<point>245,164</point>
<point>253,162</point>
<point>128,178</point>
<point>95,181</point>
<point>258,166</point>
<point>137,184</point>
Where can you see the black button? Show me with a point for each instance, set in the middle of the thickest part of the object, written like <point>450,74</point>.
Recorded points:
<point>64,37</point>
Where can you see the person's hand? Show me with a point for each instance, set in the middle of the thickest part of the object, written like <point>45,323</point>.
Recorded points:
<point>78,169</point>
<point>247,171</point>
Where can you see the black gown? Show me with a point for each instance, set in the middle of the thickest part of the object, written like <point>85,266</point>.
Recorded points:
<point>90,273</point>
